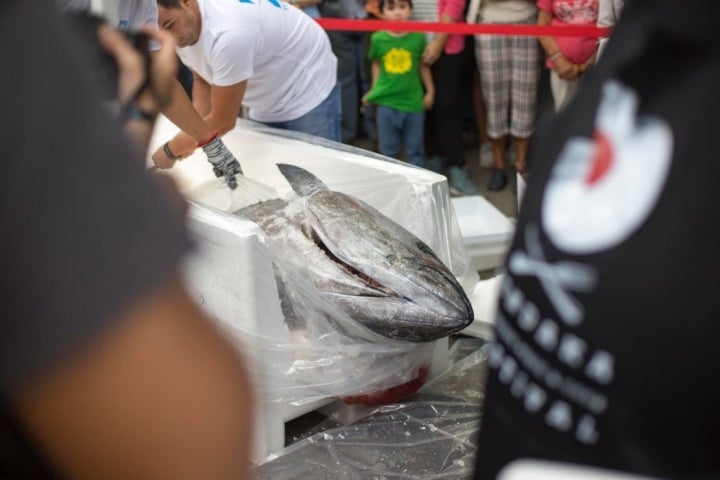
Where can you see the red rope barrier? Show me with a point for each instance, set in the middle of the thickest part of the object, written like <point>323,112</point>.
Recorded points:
<point>464,28</point>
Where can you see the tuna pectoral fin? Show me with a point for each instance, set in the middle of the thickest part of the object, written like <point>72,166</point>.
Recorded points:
<point>302,182</point>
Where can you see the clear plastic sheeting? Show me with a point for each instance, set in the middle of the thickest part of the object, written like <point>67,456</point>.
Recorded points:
<point>430,435</point>
<point>234,277</point>
<point>242,280</point>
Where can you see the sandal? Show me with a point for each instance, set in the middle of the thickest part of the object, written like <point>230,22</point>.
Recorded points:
<point>498,180</point>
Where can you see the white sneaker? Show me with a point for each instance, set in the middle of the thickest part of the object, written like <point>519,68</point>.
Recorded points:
<point>485,155</point>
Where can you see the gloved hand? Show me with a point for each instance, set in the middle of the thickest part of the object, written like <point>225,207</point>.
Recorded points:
<point>223,161</point>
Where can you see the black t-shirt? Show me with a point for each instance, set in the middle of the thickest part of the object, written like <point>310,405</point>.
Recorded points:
<point>84,232</point>
<point>609,316</point>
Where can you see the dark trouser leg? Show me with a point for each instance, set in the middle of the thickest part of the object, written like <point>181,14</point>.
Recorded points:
<point>345,46</point>
<point>451,74</point>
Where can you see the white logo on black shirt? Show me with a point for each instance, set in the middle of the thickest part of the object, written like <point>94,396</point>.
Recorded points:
<point>602,189</point>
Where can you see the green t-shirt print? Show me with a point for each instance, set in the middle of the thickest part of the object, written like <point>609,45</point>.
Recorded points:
<point>399,84</point>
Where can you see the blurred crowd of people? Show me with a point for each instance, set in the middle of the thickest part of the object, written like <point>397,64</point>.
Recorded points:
<point>485,87</point>
<point>465,89</point>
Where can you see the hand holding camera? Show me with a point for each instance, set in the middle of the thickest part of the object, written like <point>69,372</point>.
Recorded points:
<point>144,82</point>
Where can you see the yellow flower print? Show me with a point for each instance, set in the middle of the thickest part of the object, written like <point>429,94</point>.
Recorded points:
<point>397,60</point>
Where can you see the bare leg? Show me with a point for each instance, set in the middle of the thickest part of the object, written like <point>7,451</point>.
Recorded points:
<point>498,150</point>
<point>498,179</point>
<point>521,148</point>
<point>479,107</point>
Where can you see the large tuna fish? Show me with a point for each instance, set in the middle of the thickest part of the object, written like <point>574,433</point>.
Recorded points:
<point>374,270</point>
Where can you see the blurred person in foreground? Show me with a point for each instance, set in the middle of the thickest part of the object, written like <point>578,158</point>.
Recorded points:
<point>108,369</point>
<point>606,334</point>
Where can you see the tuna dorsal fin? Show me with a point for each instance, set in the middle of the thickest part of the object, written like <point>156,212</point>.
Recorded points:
<point>302,182</point>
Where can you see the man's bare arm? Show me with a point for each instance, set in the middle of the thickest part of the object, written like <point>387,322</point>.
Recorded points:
<point>182,113</point>
<point>201,95</point>
<point>224,105</point>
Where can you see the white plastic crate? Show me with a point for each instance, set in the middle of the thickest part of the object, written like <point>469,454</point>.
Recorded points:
<point>485,230</point>
<point>231,274</point>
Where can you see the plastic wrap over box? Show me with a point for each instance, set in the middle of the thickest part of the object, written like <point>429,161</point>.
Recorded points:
<point>487,234</point>
<point>430,435</point>
<point>233,272</point>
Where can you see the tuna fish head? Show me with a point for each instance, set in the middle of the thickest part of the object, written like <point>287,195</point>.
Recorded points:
<point>395,285</point>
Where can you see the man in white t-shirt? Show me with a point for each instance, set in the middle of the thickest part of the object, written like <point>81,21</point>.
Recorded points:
<point>133,15</point>
<point>264,54</point>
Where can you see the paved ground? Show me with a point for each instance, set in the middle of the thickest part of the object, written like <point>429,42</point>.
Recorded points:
<point>506,199</point>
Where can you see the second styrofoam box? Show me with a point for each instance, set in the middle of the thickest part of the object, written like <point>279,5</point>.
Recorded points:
<point>486,231</point>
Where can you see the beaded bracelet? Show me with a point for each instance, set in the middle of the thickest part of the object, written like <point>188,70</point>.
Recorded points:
<point>555,55</point>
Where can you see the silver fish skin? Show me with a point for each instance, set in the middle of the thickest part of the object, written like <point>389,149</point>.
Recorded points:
<point>373,269</point>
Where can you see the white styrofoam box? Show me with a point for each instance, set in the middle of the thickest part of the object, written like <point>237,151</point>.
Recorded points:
<point>230,277</point>
<point>484,300</point>
<point>231,274</point>
<point>521,187</point>
<point>486,231</point>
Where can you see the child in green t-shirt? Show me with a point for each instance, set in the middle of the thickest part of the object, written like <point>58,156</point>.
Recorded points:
<point>402,86</point>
